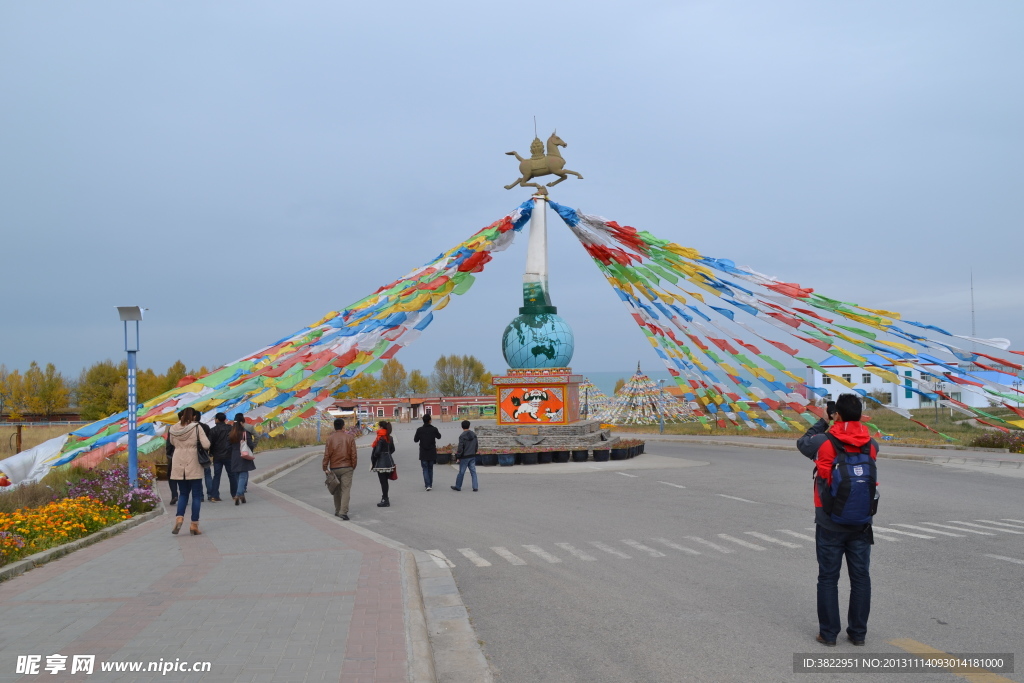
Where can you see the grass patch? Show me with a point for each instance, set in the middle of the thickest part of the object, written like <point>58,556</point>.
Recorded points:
<point>30,436</point>
<point>903,431</point>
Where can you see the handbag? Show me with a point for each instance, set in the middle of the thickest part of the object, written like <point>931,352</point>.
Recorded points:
<point>394,474</point>
<point>332,482</point>
<point>201,453</point>
<point>244,450</point>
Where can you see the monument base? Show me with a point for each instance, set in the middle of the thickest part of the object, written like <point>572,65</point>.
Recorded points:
<point>579,436</point>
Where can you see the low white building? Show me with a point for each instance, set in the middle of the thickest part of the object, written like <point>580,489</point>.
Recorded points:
<point>913,391</point>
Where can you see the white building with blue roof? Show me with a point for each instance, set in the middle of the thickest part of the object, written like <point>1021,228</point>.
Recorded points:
<point>918,384</point>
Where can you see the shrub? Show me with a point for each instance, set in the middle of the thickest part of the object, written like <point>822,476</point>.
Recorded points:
<point>111,486</point>
<point>1014,441</point>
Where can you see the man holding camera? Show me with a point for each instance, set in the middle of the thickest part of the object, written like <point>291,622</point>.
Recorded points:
<point>845,499</point>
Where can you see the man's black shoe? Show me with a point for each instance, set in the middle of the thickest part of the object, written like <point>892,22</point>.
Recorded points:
<point>455,489</point>
<point>853,640</point>
<point>173,500</point>
<point>821,639</point>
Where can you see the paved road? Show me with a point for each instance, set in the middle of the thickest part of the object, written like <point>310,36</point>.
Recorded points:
<point>704,572</point>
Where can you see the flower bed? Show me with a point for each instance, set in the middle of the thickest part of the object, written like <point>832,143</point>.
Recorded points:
<point>78,503</point>
<point>24,532</point>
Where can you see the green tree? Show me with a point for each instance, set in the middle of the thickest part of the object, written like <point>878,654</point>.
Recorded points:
<point>460,376</point>
<point>393,379</point>
<point>49,391</point>
<point>418,383</point>
<point>103,389</point>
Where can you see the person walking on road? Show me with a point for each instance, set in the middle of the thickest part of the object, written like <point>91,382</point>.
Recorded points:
<point>845,452</point>
<point>465,453</point>
<point>427,437</point>
<point>240,464</point>
<point>208,467</point>
<point>340,457</point>
<point>382,460</point>
<point>220,453</point>
<point>187,438</point>
<point>169,451</point>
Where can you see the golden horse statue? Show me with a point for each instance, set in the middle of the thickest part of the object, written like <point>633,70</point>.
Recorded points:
<point>541,164</point>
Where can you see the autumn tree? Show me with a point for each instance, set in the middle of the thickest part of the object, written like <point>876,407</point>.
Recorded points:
<point>12,394</point>
<point>103,390</point>
<point>174,375</point>
<point>363,386</point>
<point>393,379</point>
<point>47,392</point>
<point>460,376</point>
<point>418,383</point>
<point>619,383</point>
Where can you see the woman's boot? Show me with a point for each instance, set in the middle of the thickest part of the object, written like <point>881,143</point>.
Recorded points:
<point>194,529</point>
<point>237,501</point>
<point>384,503</point>
<point>178,521</point>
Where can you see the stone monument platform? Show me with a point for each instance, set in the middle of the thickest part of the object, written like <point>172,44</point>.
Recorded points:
<point>581,435</point>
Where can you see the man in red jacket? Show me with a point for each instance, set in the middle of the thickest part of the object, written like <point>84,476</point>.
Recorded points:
<point>834,540</point>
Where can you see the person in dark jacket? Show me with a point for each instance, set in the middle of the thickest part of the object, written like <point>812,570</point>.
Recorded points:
<point>427,437</point>
<point>465,453</point>
<point>382,461</point>
<point>833,540</point>
<point>239,465</point>
<point>169,450</point>
<point>220,452</point>
<point>208,470</point>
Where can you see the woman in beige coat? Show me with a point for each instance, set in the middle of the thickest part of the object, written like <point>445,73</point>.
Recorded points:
<point>186,436</point>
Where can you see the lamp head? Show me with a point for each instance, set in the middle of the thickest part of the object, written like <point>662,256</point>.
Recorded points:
<point>130,313</point>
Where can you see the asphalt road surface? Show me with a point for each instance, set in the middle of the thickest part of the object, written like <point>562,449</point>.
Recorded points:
<point>696,563</point>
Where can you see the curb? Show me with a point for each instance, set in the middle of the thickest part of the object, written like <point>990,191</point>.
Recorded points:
<point>936,459</point>
<point>40,558</point>
<point>443,646</point>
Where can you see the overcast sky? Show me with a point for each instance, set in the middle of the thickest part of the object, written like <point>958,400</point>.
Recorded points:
<point>240,168</point>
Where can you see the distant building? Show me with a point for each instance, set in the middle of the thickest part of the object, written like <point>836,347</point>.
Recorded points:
<point>405,409</point>
<point>909,394</point>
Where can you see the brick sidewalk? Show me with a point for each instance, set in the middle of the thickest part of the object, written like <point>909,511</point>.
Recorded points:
<point>271,591</point>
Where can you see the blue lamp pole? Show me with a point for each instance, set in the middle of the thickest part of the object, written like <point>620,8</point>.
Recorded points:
<point>132,314</point>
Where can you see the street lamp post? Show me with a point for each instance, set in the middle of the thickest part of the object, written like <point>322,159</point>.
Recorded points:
<point>586,403</point>
<point>132,314</point>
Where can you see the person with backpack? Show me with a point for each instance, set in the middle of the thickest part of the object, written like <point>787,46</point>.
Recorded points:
<point>845,501</point>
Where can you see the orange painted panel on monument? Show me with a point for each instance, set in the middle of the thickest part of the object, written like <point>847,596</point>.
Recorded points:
<point>532,404</point>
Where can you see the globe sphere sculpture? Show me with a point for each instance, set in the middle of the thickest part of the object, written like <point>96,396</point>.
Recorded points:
<point>538,340</point>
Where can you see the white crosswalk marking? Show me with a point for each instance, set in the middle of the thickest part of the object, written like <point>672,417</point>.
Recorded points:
<point>719,548</point>
<point>506,554</point>
<point>576,552</point>
<point>901,533</point>
<point>769,539</point>
<point>643,548</point>
<point>1005,559</point>
<point>742,500</point>
<point>795,534</point>
<point>958,528</point>
<point>675,546</point>
<point>610,550</point>
<point>931,531</point>
<point>1019,521</point>
<point>439,559</point>
<point>740,541</point>
<point>474,558</point>
<point>543,554</point>
<point>622,473</point>
<point>988,528</point>
<point>989,521</point>
<point>668,483</point>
